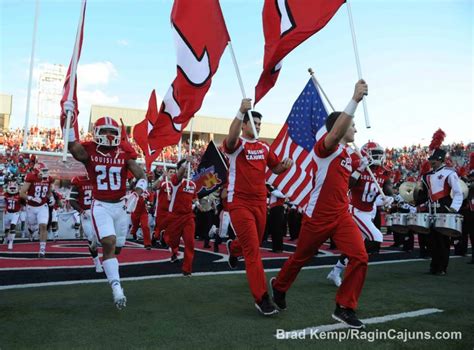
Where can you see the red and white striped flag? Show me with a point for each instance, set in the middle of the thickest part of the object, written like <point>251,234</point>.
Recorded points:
<point>296,140</point>
<point>71,76</point>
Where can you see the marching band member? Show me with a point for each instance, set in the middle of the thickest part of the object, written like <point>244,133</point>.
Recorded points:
<point>436,188</point>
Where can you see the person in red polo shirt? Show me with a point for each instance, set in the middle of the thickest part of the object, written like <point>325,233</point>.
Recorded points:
<point>164,190</point>
<point>327,214</point>
<point>246,199</point>
<point>139,219</point>
<point>180,221</point>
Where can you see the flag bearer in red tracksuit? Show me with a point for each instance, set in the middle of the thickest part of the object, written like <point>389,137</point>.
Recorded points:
<point>140,219</point>
<point>327,215</point>
<point>162,205</point>
<point>247,199</point>
<point>180,221</point>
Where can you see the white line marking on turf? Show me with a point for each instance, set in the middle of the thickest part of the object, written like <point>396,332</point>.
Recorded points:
<point>196,274</point>
<point>373,320</point>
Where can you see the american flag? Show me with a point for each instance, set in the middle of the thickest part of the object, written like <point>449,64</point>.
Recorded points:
<point>296,140</point>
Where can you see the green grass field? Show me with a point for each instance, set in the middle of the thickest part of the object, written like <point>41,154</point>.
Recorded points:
<point>216,312</point>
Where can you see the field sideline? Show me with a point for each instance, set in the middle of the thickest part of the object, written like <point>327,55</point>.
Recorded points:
<point>216,312</point>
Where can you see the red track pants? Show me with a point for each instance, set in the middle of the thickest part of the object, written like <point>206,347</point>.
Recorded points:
<point>348,239</point>
<point>181,226</point>
<point>141,220</point>
<point>249,226</point>
<point>160,222</point>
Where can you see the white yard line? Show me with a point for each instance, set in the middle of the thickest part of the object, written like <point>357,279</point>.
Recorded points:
<point>195,274</point>
<point>373,320</point>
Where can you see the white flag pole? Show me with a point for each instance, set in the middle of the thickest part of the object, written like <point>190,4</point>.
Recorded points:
<point>179,149</point>
<point>165,174</point>
<point>239,77</point>
<point>318,87</point>
<point>72,78</point>
<point>220,156</point>
<point>30,78</point>
<point>356,53</point>
<point>190,149</point>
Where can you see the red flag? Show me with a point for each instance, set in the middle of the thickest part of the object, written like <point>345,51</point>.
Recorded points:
<point>71,72</point>
<point>141,130</point>
<point>125,142</point>
<point>286,24</point>
<point>201,37</point>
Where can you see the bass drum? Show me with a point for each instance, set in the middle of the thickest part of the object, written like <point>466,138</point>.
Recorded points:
<point>448,224</point>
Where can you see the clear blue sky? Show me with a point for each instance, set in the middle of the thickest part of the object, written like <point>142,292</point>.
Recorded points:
<point>416,56</point>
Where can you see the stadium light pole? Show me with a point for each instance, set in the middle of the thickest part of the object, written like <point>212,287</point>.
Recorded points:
<point>30,78</point>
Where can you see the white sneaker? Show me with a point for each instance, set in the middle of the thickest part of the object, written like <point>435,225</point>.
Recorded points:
<point>99,268</point>
<point>120,300</point>
<point>10,245</point>
<point>42,253</point>
<point>335,277</point>
<point>212,231</point>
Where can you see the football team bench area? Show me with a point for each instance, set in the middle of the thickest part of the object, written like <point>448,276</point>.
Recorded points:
<point>212,311</point>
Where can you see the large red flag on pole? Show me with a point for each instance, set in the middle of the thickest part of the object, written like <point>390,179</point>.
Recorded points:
<point>286,24</point>
<point>70,84</point>
<point>201,37</point>
<point>141,130</point>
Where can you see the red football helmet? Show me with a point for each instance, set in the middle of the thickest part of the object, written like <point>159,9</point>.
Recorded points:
<point>107,139</point>
<point>42,170</point>
<point>375,152</point>
<point>13,187</point>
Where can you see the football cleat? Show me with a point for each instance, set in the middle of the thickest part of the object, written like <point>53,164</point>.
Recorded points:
<point>120,300</point>
<point>99,268</point>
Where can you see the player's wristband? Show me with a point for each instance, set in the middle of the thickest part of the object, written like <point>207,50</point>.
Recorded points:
<point>240,115</point>
<point>72,135</point>
<point>351,108</point>
<point>355,175</point>
<point>142,184</point>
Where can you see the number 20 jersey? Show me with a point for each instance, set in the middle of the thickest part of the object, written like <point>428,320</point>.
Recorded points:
<point>364,192</point>
<point>107,172</point>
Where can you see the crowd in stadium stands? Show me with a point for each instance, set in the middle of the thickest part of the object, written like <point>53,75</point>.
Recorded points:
<point>44,139</point>
<point>406,160</point>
